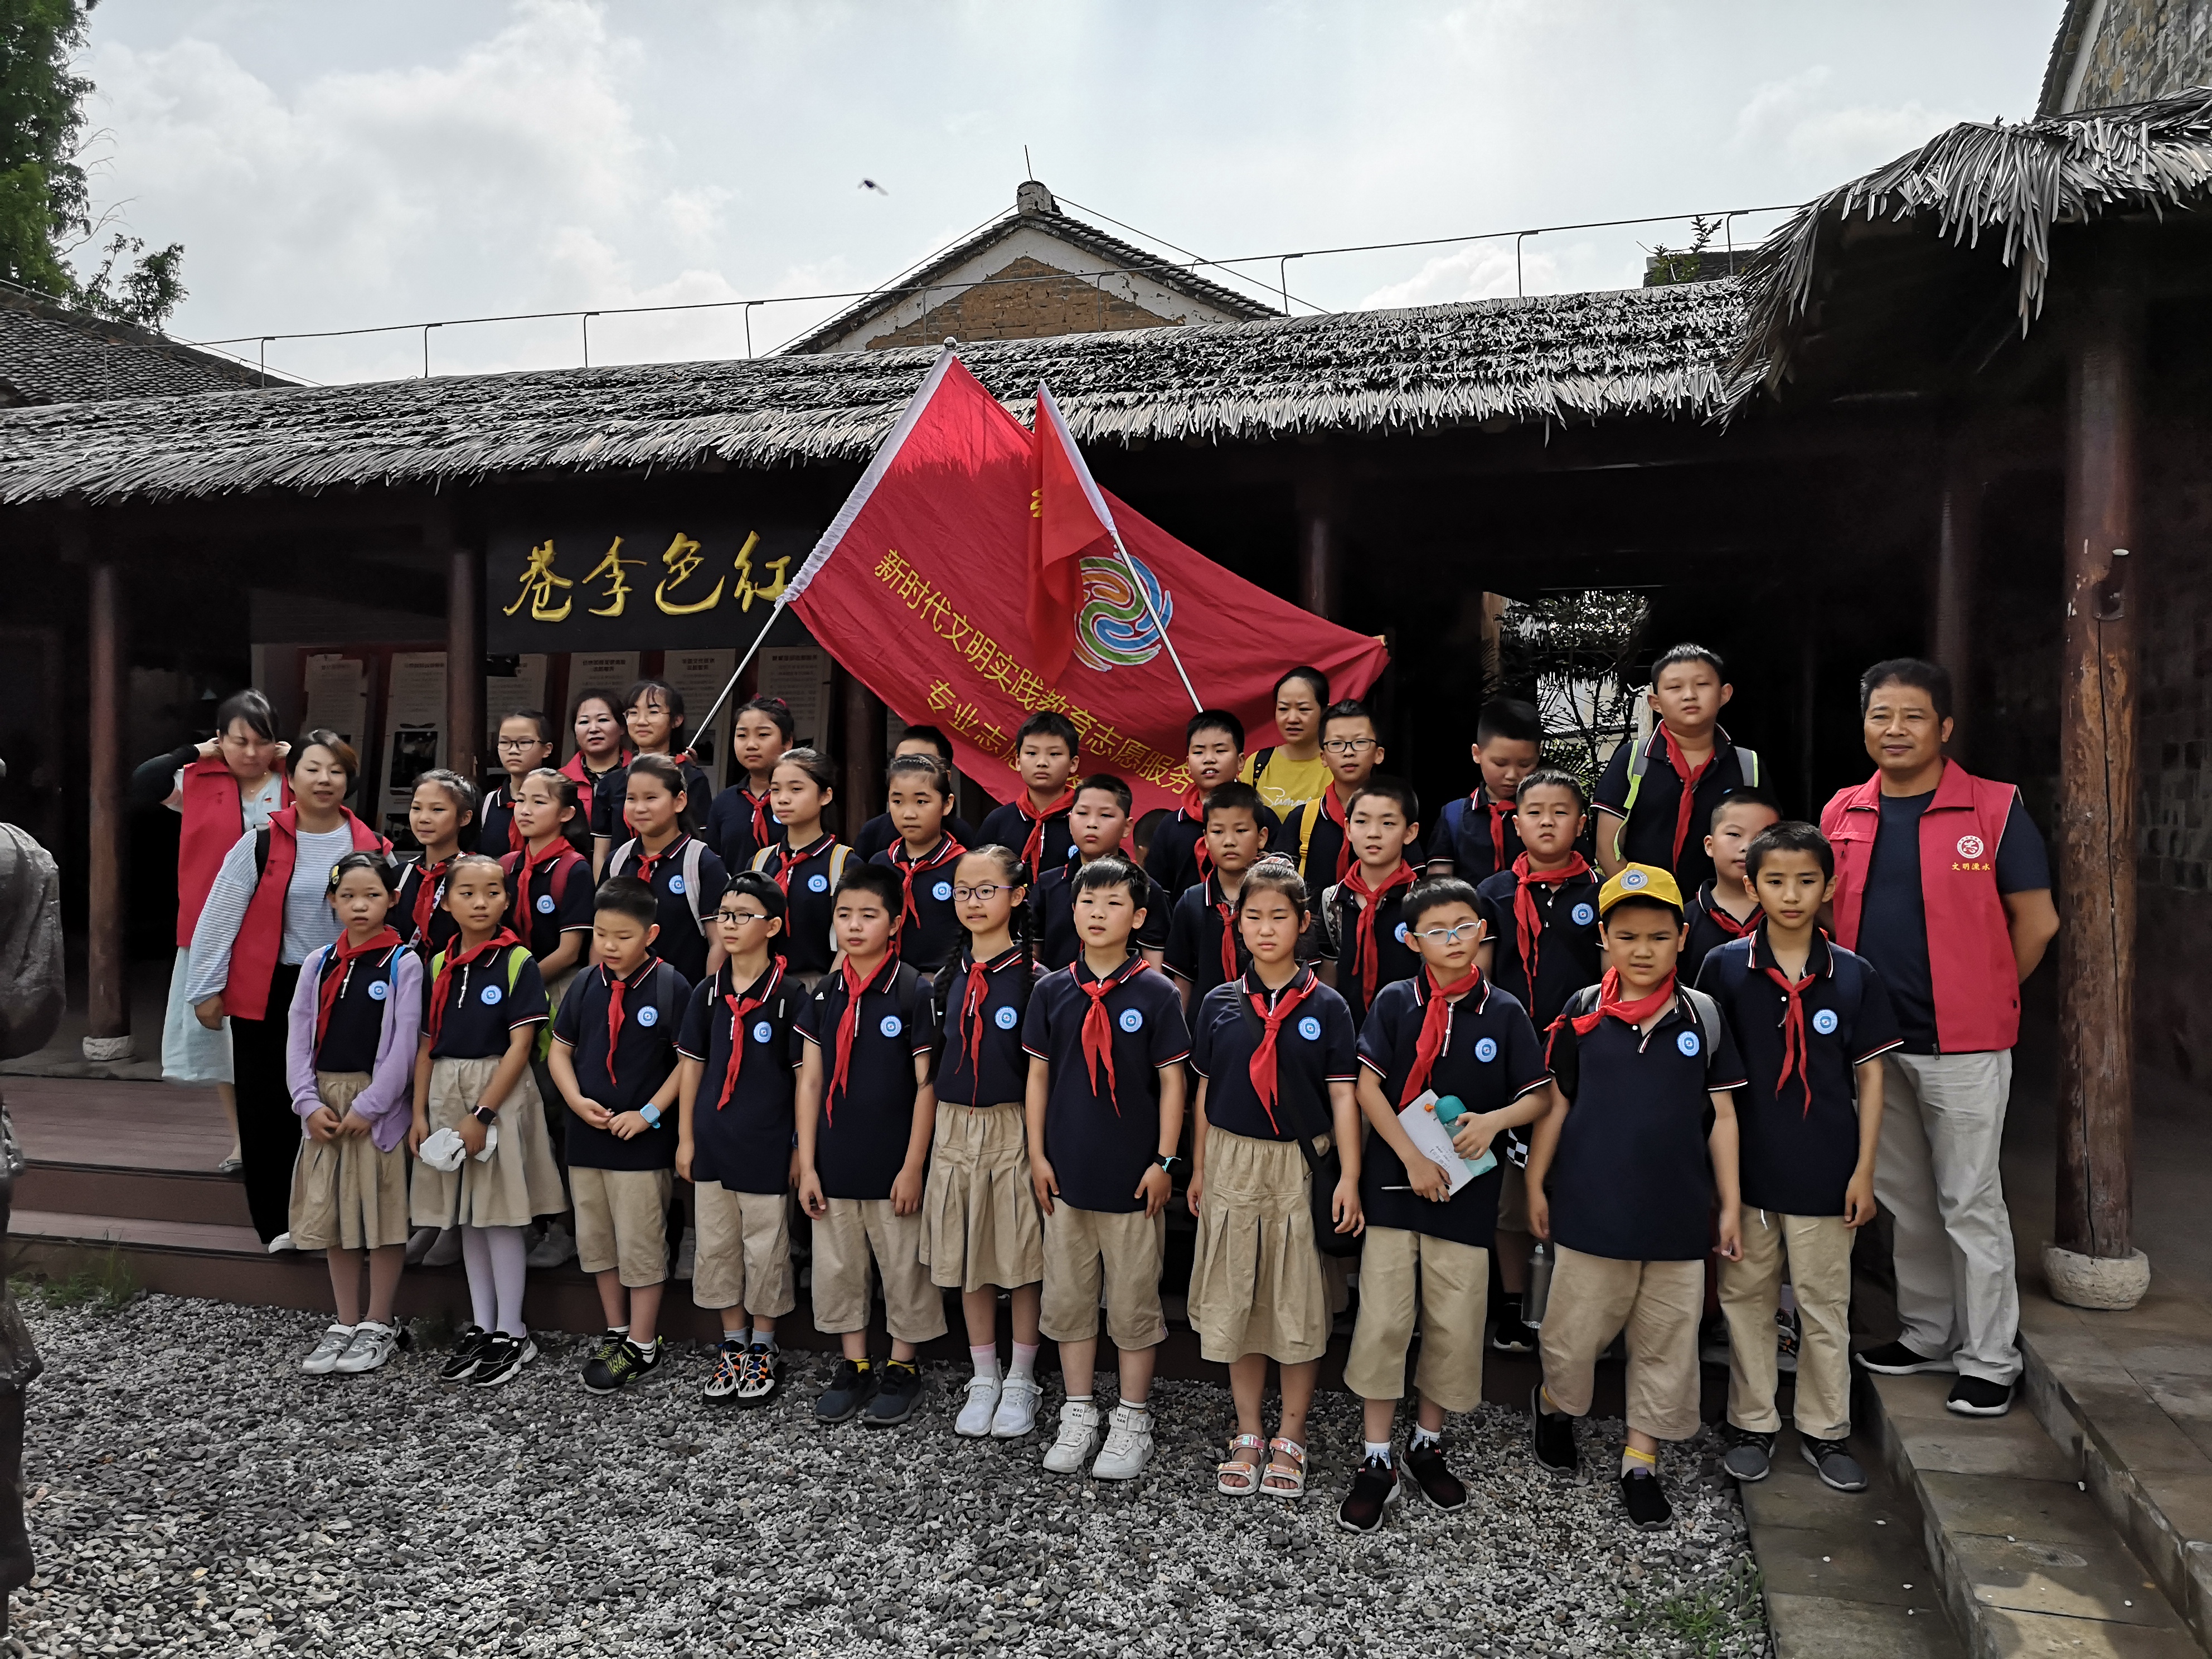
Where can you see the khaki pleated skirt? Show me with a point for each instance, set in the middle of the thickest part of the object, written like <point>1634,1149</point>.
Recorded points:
<point>1255,1283</point>
<point>346,1194</point>
<point>518,1183</point>
<point>981,1224</point>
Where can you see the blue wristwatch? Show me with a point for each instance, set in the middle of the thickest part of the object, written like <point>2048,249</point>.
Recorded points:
<point>650,1114</point>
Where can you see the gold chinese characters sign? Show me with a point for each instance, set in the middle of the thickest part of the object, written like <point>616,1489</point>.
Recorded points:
<point>635,588</point>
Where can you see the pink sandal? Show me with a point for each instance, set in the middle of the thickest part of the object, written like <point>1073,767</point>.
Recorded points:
<point>1238,1469</point>
<point>1292,1482</point>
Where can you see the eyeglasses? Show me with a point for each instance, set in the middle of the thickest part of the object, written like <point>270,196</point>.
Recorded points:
<point>1448,935</point>
<point>978,894</point>
<point>520,743</point>
<point>738,918</point>
<point>1348,745</point>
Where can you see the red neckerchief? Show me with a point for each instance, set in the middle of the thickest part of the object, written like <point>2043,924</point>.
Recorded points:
<point>740,1006</point>
<point>1795,1050</point>
<point>1709,902</point>
<point>1098,1025</point>
<point>786,860</point>
<point>1436,1028</point>
<point>1499,812</point>
<point>948,849</point>
<point>1332,810</point>
<point>333,985</point>
<point>1033,849</point>
<point>1226,909</point>
<point>848,1023</point>
<point>1690,780</point>
<point>1608,1002</point>
<point>1528,925</point>
<point>498,941</point>
<point>430,880</point>
<point>1262,1066</point>
<point>1366,963</point>
<point>973,995</point>
<point>648,862</point>
<point>616,986</point>
<point>1194,808</point>
<point>532,862</point>
<point>764,824</point>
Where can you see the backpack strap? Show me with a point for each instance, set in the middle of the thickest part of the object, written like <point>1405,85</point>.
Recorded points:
<point>1260,763</point>
<point>1746,764</point>
<point>516,956</point>
<point>665,981</point>
<point>1289,1091</point>
<point>840,855</point>
<point>1639,762</point>
<point>619,857</point>
<point>694,850</point>
<point>1308,813</point>
<point>1705,1011</point>
<point>562,869</point>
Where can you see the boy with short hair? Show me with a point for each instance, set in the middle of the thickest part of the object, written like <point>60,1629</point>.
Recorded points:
<point>1623,1177</point>
<point>1725,907</point>
<point>1478,837</point>
<point>1177,859</point>
<point>1448,1030</point>
<point>877,834</point>
<point>614,1061</point>
<point>1204,947</point>
<point>1035,821</point>
<point>1106,1040</point>
<point>1653,792</point>
<point>1814,1020</point>
<point>865,1112</point>
<point>1098,820</point>
<point>1313,834</point>
<point>1362,931</point>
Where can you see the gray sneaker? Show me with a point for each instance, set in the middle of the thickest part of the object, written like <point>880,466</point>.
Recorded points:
<point>1833,1462</point>
<point>324,1357</point>
<point>1749,1457</point>
<point>372,1346</point>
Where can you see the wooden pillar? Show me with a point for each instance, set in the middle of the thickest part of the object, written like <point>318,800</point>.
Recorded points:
<point>1957,548</point>
<point>2096,875</point>
<point>1319,535</point>
<point>1493,644</point>
<point>860,780</point>
<point>465,654</point>
<point>108,967</point>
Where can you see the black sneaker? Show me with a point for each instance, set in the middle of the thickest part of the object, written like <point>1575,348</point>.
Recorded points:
<point>609,1341</point>
<point>761,1376</point>
<point>1833,1462</point>
<point>1895,1359</point>
<point>1648,1508</point>
<point>615,1368</point>
<point>851,1387</point>
<point>1513,1334</point>
<point>894,1395</point>
<point>468,1352</point>
<point>721,1384</point>
<point>1749,1457</point>
<point>1977,1396</point>
<point>1436,1481</point>
<point>1553,1434</point>
<point>1373,1489</point>
<point>504,1357</point>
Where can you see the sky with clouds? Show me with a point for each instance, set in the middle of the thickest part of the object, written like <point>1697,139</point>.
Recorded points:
<point>329,168</point>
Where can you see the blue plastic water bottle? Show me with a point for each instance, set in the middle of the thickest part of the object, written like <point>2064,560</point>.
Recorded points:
<point>1449,1109</point>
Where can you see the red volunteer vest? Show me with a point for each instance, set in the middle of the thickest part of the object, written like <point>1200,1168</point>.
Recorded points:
<point>1970,956</point>
<point>214,818</point>
<point>261,934</point>
<point>573,767</point>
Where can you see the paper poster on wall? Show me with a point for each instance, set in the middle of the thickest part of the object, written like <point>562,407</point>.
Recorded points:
<point>799,674</point>
<point>415,724</point>
<point>505,693</point>
<point>699,677</point>
<point>334,693</point>
<point>610,671</point>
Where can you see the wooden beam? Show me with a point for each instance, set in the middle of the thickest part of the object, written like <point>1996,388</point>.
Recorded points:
<point>2096,875</point>
<point>108,967</point>
<point>1958,546</point>
<point>464,653</point>
<point>860,785</point>
<point>1319,532</point>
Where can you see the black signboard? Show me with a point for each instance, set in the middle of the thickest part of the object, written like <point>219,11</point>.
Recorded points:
<point>646,584</point>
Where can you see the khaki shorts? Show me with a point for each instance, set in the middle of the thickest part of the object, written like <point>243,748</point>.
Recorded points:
<point>1256,1278</point>
<point>1513,1200</point>
<point>743,1258</point>
<point>855,1230</point>
<point>1452,1281</point>
<point>1088,1250</point>
<point>621,1222</point>
<point>1593,1299</point>
<point>346,1194</point>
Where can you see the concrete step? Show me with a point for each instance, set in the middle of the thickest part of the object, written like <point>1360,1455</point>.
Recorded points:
<point>141,1194</point>
<point>2028,1563</point>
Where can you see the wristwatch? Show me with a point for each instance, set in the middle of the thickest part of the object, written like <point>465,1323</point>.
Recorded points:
<point>650,1114</point>
<point>486,1116</point>
<point>1168,1161</point>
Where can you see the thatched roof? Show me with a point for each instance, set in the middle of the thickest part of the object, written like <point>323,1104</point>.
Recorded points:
<point>51,355</point>
<point>1977,183</point>
<point>1559,357</point>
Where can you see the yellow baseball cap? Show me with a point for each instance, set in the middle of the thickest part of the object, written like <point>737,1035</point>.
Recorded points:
<point>1640,881</point>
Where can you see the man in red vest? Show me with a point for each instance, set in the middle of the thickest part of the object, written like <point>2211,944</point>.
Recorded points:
<point>1942,883</point>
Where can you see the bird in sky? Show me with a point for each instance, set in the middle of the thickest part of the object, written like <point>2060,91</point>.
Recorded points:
<point>870,184</point>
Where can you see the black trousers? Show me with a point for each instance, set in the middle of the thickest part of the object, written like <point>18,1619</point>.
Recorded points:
<point>268,1128</point>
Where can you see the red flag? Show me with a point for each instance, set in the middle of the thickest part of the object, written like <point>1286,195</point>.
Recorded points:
<point>1067,520</point>
<point>921,588</point>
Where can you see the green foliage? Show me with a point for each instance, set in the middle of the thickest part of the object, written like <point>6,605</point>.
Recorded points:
<point>1723,1613</point>
<point>148,291</point>
<point>1671,265</point>
<point>103,1285</point>
<point>1577,649</point>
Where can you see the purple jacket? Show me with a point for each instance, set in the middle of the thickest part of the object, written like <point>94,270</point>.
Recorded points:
<point>388,1102</point>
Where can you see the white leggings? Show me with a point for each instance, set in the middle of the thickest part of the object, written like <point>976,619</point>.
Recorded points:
<point>497,1261</point>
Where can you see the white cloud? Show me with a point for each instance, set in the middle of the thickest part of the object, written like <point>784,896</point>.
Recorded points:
<point>1481,272</point>
<point>1825,141</point>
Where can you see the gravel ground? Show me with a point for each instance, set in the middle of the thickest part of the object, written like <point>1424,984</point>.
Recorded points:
<point>191,1491</point>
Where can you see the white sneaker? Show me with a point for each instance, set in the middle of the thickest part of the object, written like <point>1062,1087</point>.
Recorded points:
<point>1128,1445</point>
<point>1078,1438</point>
<point>558,1246</point>
<point>1017,1413</point>
<point>446,1251</point>
<point>281,1242</point>
<point>981,1405</point>
<point>327,1352</point>
<point>372,1345</point>
<point>685,1251</point>
<point>419,1244</point>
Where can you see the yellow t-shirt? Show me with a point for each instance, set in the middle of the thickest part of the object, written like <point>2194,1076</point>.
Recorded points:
<point>1286,781</point>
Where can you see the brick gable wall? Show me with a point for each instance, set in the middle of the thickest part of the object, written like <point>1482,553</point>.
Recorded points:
<point>1026,300</point>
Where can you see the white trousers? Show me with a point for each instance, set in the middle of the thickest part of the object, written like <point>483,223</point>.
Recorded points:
<point>1943,1122</point>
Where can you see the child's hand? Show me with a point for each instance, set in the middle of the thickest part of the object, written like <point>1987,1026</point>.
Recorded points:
<point>1156,1188</point>
<point>591,1112</point>
<point>627,1126</point>
<point>355,1124</point>
<point>1043,1182</point>
<point>1472,1137</point>
<point>684,1160</point>
<point>1344,1206</point>
<point>906,1190</point>
<point>1429,1179</point>
<point>1730,1248</point>
<point>1858,1200</point>
<point>810,1195</point>
<point>323,1124</point>
<point>1540,1214</point>
<point>417,1133</point>
<point>1192,1193</point>
<point>473,1133</point>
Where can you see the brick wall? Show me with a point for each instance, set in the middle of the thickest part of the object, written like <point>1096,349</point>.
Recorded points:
<point>1046,302</point>
<point>2147,49</point>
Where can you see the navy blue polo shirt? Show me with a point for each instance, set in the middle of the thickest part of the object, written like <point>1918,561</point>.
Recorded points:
<point>680,944</point>
<point>560,901</point>
<point>1052,911</point>
<point>1323,847</point>
<point>1893,915</point>
<point>1796,1154</point>
<point>1315,1046</point>
<point>1649,837</point>
<point>495,822</point>
<point>1633,1178</point>
<point>1173,859</point>
<point>1196,928</point>
<point>859,1144</point>
<point>1101,1141</point>
<point>1000,1072</point>
<point>441,929</point>
<point>1466,838</point>
<point>745,1143</point>
<point>610,796</point>
<point>1490,1058</point>
<point>879,832</point>
<point>1568,955</point>
<point>485,1000</point>
<point>1004,826</point>
<point>930,937</point>
<point>1709,927</point>
<point>653,1000</point>
<point>357,1025</point>
<point>808,876</point>
<point>729,826</point>
<point>1396,958</point>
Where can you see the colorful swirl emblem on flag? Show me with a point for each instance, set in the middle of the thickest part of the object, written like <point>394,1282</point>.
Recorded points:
<point>1113,628</point>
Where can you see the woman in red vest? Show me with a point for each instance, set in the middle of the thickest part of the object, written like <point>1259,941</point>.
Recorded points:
<point>223,787</point>
<point>266,911</point>
<point>601,750</point>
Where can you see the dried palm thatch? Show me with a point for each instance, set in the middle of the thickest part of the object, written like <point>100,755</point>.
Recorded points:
<point>2012,183</point>
<point>1660,351</point>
